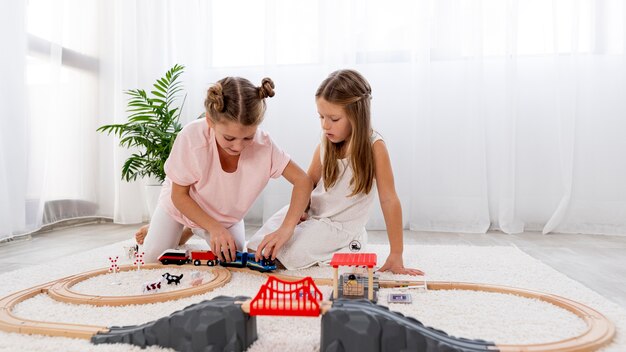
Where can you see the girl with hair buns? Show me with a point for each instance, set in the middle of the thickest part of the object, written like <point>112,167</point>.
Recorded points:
<point>217,168</point>
<point>348,165</point>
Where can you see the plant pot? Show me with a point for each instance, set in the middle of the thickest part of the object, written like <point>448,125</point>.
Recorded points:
<point>152,197</point>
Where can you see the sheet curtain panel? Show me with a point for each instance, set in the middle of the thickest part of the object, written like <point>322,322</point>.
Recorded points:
<point>12,119</point>
<point>505,115</point>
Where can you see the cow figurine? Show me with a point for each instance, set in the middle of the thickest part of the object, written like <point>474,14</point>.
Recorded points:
<point>196,278</point>
<point>152,287</point>
<point>172,279</point>
<point>131,250</point>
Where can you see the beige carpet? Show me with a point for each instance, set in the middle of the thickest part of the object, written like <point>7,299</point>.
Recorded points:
<point>494,317</point>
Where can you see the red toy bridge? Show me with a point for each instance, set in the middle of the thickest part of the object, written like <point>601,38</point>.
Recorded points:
<point>295,298</point>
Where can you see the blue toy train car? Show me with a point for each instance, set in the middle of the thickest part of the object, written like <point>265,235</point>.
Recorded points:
<point>244,259</point>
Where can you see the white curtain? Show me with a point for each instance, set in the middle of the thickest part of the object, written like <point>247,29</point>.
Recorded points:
<point>497,114</point>
<point>12,119</point>
<point>520,117</point>
<point>48,160</point>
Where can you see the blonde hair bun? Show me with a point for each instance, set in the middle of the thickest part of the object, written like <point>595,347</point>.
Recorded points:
<point>267,88</point>
<point>215,98</point>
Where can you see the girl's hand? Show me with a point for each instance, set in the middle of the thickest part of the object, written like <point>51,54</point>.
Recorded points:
<point>272,243</point>
<point>223,244</point>
<point>395,265</point>
<point>140,235</point>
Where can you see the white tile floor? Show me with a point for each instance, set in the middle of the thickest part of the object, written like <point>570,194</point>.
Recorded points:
<point>599,262</point>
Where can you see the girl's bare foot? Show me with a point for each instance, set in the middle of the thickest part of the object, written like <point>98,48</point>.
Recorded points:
<point>141,234</point>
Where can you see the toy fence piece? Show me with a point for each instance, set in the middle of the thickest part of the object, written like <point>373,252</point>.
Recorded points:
<point>114,268</point>
<point>139,260</point>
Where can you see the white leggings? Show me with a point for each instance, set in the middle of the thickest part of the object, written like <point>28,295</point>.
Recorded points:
<point>165,232</point>
<point>313,241</point>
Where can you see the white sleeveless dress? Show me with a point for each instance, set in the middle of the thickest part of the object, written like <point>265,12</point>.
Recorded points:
<point>335,221</point>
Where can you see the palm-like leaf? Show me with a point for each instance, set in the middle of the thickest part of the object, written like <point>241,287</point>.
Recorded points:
<point>153,123</point>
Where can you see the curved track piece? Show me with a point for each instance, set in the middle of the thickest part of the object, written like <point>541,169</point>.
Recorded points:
<point>600,331</point>
<point>215,325</point>
<point>61,290</point>
<point>11,323</point>
<point>360,325</point>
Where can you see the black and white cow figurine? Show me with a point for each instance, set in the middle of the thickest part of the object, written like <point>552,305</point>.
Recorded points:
<point>172,278</point>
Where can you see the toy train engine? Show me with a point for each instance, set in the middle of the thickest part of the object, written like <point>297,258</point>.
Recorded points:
<point>263,265</point>
<point>174,256</point>
<point>198,256</point>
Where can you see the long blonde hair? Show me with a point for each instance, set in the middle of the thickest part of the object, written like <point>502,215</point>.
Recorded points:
<point>352,92</point>
<point>237,99</point>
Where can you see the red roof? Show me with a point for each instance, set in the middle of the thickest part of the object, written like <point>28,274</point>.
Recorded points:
<point>353,259</point>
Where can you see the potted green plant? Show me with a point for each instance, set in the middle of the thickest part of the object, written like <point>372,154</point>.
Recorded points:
<point>153,124</point>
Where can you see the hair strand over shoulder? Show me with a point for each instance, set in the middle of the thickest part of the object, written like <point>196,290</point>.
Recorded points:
<point>350,90</point>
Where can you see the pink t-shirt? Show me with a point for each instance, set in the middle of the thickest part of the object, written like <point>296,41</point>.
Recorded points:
<point>226,197</point>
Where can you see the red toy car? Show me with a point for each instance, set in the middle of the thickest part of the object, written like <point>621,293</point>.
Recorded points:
<point>198,256</point>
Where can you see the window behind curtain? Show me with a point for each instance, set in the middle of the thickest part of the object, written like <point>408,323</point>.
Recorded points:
<point>62,93</point>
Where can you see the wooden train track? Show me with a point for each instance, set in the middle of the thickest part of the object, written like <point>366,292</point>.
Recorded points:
<point>600,331</point>
<point>61,290</point>
<point>11,323</point>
